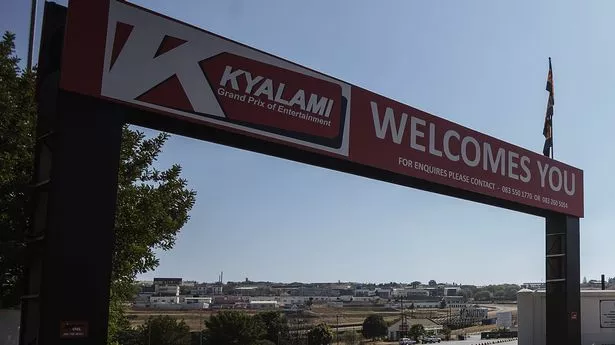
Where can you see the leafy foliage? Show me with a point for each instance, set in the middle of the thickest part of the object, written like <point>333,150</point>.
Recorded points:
<point>416,331</point>
<point>17,136</point>
<point>275,326</point>
<point>164,330</point>
<point>263,342</point>
<point>447,333</point>
<point>351,338</point>
<point>233,327</point>
<point>374,326</point>
<point>482,295</point>
<point>152,205</point>
<point>320,335</point>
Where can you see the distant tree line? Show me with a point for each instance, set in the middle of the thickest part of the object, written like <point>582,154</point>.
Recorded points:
<point>223,328</point>
<point>238,327</point>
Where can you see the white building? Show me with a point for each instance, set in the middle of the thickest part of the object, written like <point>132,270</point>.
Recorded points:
<point>417,292</point>
<point>397,329</point>
<point>597,316</point>
<point>167,286</point>
<point>291,300</point>
<point>503,319</point>
<point>264,305</point>
<point>195,300</point>
<point>164,300</point>
<point>167,290</point>
<point>451,290</point>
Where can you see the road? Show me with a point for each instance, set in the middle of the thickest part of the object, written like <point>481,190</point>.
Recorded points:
<point>475,339</point>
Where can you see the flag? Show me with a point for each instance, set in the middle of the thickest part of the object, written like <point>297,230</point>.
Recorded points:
<point>547,130</point>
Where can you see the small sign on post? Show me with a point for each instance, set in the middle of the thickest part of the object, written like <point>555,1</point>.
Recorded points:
<point>73,329</point>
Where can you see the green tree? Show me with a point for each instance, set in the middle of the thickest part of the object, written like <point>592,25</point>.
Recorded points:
<point>482,295</point>
<point>432,283</point>
<point>447,333</point>
<point>416,331</point>
<point>465,293</point>
<point>233,327</point>
<point>275,325</point>
<point>17,136</point>
<point>152,205</point>
<point>164,330</point>
<point>263,342</point>
<point>128,336</point>
<point>351,338</point>
<point>320,335</point>
<point>374,326</point>
<point>415,284</point>
<point>442,304</point>
<point>308,303</point>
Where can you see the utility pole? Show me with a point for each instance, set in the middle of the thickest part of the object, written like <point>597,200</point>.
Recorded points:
<point>201,333</point>
<point>337,328</point>
<point>403,323</point>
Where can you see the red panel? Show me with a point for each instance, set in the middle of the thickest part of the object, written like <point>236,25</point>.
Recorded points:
<point>421,151</point>
<point>169,93</point>
<point>169,43</point>
<point>122,32</point>
<point>262,94</point>
<point>84,46</point>
<point>276,100</point>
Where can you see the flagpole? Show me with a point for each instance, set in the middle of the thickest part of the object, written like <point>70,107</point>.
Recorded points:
<point>553,86</point>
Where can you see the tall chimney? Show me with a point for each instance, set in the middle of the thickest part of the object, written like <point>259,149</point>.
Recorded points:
<point>602,282</point>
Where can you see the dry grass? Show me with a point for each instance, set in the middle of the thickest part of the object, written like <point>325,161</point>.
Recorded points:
<point>318,314</point>
<point>474,329</point>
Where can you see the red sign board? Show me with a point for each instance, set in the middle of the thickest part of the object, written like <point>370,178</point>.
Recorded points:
<point>123,53</point>
<point>73,329</point>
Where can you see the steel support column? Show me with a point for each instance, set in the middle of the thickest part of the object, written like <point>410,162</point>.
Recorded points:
<point>563,305</point>
<point>70,243</point>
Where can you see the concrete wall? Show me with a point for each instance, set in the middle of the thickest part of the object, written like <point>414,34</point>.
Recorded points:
<point>9,326</point>
<point>531,317</point>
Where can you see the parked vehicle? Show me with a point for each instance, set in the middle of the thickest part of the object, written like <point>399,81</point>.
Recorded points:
<point>431,340</point>
<point>406,341</point>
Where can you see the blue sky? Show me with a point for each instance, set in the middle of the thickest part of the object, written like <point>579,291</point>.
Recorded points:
<point>482,64</point>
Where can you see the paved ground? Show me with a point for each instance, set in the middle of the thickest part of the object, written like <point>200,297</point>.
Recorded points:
<point>475,339</point>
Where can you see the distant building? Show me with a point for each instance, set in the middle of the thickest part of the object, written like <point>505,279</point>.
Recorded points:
<point>533,286</point>
<point>167,281</point>
<point>383,293</point>
<point>164,300</point>
<point>596,316</point>
<point>364,293</point>
<point>263,305</point>
<point>167,289</point>
<point>452,291</point>
<point>417,292</point>
<point>398,330</point>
